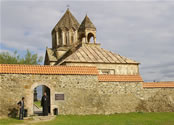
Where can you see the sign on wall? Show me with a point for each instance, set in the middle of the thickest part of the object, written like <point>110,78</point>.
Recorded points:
<point>59,96</point>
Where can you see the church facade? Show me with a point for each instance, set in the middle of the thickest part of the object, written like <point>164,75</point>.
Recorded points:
<point>75,44</point>
<point>82,78</point>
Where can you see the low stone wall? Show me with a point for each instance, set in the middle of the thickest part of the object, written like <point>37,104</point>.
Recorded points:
<point>14,86</point>
<point>157,100</point>
<point>84,94</point>
<point>76,90</point>
<point>132,97</point>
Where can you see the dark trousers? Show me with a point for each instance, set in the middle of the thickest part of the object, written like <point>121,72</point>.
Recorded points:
<point>21,114</point>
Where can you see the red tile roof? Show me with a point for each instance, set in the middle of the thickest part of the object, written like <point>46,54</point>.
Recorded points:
<point>120,78</point>
<point>158,84</point>
<point>61,70</point>
<point>38,69</point>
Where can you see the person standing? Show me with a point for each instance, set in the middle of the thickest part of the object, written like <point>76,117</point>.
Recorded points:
<point>21,106</point>
<point>44,104</point>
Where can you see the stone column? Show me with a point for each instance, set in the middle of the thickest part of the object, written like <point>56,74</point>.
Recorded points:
<point>52,40</point>
<point>75,36</point>
<point>63,38</point>
<point>72,37</point>
<point>57,39</point>
<point>86,37</point>
<point>68,38</point>
<point>94,39</point>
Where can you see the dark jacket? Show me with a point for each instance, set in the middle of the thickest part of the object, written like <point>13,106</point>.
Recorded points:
<point>21,104</point>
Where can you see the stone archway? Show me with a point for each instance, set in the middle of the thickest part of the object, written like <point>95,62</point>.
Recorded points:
<point>30,97</point>
<point>37,96</point>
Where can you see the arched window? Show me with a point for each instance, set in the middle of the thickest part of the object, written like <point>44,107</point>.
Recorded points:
<point>90,37</point>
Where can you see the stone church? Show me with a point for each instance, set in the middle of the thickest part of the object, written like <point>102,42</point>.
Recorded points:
<point>75,44</point>
<point>82,78</point>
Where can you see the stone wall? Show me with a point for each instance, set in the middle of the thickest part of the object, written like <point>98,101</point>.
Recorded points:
<point>14,86</point>
<point>132,97</point>
<point>77,90</point>
<point>11,90</point>
<point>83,94</point>
<point>119,69</point>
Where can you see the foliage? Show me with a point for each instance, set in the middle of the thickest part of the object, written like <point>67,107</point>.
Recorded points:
<point>29,58</point>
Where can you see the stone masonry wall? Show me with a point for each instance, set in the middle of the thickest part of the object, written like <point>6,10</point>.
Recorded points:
<point>84,94</point>
<point>120,69</point>
<point>11,91</point>
<point>132,97</point>
<point>14,86</point>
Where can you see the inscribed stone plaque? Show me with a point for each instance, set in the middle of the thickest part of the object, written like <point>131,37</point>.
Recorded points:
<point>59,96</point>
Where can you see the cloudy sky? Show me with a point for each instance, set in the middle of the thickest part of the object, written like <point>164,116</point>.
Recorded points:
<point>142,30</point>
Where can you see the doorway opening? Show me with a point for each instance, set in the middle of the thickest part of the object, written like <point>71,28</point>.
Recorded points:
<point>37,96</point>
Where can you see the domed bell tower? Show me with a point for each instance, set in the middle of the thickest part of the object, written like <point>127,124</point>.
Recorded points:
<point>87,31</point>
<point>65,33</point>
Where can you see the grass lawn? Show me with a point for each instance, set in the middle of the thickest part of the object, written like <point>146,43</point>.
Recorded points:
<point>10,121</point>
<point>117,119</point>
<point>38,103</point>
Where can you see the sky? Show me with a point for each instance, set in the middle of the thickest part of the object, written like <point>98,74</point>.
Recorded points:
<point>142,30</point>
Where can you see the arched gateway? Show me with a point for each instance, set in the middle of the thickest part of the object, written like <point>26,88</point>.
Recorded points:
<point>37,98</point>
<point>46,87</point>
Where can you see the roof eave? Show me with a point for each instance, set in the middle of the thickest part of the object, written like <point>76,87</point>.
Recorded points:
<point>97,62</point>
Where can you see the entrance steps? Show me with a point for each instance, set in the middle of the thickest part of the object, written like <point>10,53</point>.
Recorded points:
<point>35,119</point>
<point>43,118</point>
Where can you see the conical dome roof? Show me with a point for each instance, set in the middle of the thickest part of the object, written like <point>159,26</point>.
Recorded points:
<point>67,21</point>
<point>86,23</point>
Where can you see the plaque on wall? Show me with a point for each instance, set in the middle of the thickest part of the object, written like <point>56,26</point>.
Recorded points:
<point>59,96</point>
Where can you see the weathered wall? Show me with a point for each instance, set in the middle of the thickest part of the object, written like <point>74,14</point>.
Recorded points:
<point>132,97</point>
<point>84,94</point>
<point>11,90</point>
<point>120,69</point>
<point>157,100</point>
<point>14,86</point>
<point>77,90</point>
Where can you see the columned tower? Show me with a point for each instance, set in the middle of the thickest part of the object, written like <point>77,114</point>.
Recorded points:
<point>87,30</point>
<point>65,33</point>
